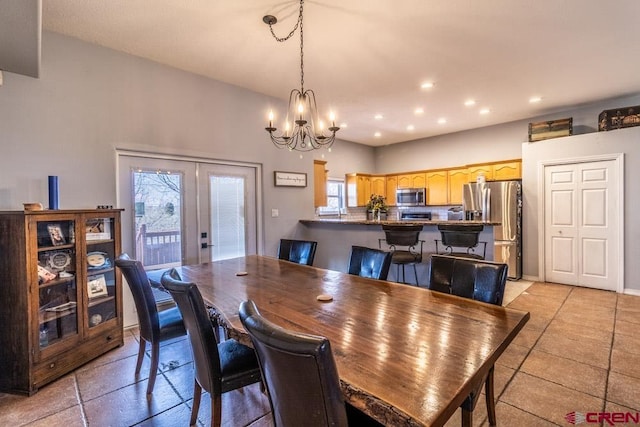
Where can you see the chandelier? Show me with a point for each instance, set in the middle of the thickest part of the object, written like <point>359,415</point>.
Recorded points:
<point>303,130</point>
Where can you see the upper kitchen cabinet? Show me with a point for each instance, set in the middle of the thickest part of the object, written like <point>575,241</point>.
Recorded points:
<point>507,170</point>
<point>412,180</point>
<point>499,171</point>
<point>379,185</point>
<point>358,189</point>
<point>476,170</point>
<point>319,183</point>
<point>457,177</point>
<point>437,187</point>
<point>391,187</point>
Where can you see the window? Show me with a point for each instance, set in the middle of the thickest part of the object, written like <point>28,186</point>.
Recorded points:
<point>335,197</point>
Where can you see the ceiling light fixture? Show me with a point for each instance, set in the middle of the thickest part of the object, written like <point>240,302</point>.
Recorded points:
<point>378,116</point>
<point>307,132</point>
<point>442,120</point>
<point>469,103</point>
<point>427,85</point>
<point>411,128</point>
<point>535,99</point>
<point>419,110</point>
<point>485,111</point>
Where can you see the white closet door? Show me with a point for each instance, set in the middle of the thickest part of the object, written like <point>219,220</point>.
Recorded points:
<point>581,246</point>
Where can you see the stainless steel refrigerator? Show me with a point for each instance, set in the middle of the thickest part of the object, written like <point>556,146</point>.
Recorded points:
<point>499,201</point>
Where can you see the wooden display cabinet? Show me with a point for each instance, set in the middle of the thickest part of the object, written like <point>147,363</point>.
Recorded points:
<point>61,292</point>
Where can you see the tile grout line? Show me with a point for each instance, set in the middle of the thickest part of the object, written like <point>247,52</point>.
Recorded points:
<point>613,337</point>
<point>85,422</point>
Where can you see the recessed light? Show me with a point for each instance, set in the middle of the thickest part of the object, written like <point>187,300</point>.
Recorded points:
<point>419,110</point>
<point>377,134</point>
<point>343,125</point>
<point>535,99</point>
<point>470,102</point>
<point>378,116</point>
<point>410,127</point>
<point>427,85</point>
<point>485,111</point>
<point>442,120</point>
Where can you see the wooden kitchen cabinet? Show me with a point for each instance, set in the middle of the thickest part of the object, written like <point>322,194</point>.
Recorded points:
<point>391,187</point>
<point>507,170</point>
<point>379,185</point>
<point>358,189</point>
<point>319,183</point>
<point>457,178</point>
<point>475,170</point>
<point>61,294</point>
<point>437,187</point>
<point>412,180</point>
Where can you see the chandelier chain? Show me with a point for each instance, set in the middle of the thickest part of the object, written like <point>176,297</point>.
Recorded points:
<point>298,23</point>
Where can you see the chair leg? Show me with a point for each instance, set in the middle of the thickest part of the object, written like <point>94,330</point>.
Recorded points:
<point>491,402</point>
<point>153,370</point>
<point>467,418</point>
<point>141,349</point>
<point>404,276</point>
<point>197,394</point>
<point>415,271</point>
<point>216,410</point>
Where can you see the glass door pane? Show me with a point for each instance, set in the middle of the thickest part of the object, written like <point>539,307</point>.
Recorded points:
<point>228,211</point>
<point>228,229</point>
<point>57,285</point>
<point>158,217</point>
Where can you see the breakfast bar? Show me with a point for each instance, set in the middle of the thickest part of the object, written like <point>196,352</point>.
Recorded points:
<point>336,236</point>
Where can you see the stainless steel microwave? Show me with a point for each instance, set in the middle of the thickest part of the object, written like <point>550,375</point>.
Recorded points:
<point>411,196</point>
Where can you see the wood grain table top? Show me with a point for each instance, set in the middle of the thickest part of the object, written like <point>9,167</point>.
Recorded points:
<point>405,355</point>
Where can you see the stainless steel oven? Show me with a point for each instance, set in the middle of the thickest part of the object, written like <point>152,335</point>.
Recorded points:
<point>411,196</point>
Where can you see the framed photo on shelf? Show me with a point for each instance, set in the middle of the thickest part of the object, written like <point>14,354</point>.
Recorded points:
<point>97,286</point>
<point>289,179</point>
<point>98,229</point>
<point>57,237</point>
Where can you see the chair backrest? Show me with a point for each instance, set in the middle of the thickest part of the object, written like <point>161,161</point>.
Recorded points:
<point>200,330</point>
<point>300,251</point>
<point>145,302</point>
<point>470,278</point>
<point>402,235</point>
<point>369,262</point>
<point>460,236</point>
<point>299,372</point>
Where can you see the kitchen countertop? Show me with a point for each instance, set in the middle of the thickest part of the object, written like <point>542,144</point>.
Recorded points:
<point>394,222</point>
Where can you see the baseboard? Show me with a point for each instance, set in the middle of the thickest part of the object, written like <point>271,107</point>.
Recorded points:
<point>635,292</point>
<point>531,278</point>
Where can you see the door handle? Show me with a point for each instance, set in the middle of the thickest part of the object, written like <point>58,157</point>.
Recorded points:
<point>205,245</point>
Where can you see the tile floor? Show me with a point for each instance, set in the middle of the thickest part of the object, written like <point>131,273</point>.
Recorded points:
<point>579,352</point>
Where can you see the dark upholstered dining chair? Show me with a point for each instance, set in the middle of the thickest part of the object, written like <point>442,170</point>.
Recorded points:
<point>300,375</point>
<point>219,367</point>
<point>155,326</point>
<point>405,246</point>
<point>479,280</point>
<point>299,251</point>
<point>369,262</point>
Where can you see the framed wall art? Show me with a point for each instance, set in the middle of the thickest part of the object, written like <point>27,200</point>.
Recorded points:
<point>289,179</point>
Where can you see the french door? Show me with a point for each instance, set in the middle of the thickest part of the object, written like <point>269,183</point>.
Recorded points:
<point>180,212</point>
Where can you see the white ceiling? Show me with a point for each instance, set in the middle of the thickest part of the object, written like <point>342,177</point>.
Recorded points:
<point>368,57</point>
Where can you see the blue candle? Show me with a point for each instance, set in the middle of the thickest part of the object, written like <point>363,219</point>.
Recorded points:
<point>53,192</point>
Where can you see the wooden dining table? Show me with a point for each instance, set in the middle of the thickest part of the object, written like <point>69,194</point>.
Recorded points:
<point>405,355</point>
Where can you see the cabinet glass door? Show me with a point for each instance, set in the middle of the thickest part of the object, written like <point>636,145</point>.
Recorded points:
<point>101,280</point>
<point>57,284</point>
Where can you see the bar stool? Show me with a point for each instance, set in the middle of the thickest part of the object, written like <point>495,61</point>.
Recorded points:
<point>461,240</point>
<point>405,247</point>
